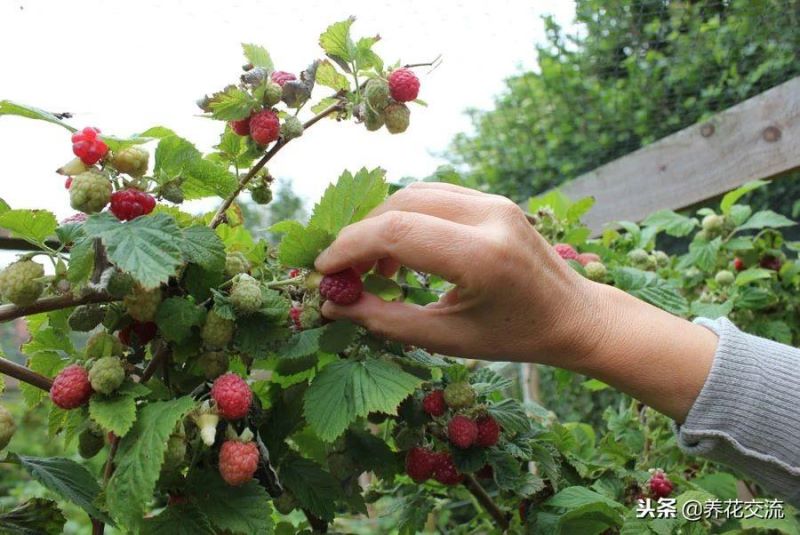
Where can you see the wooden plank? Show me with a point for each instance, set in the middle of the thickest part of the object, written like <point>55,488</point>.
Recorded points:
<point>756,139</point>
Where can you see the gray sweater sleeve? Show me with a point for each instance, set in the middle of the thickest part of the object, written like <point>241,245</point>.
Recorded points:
<point>747,415</point>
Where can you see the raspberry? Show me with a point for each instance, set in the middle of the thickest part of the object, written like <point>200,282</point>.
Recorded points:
<point>172,192</point>
<point>434,403</point>
<point>639,258</point>
<point>724,278</point>
<point>343,288</point>
<point>90,442</point>
<point>265,127</point>
<point>566,251</point>
<point>236,263</point>
<point>86,317</point>
<point>585,258</point>
<point>294,315</point>
<point>771,262</point>
<point>373,120</point>
<point>102,344</point>
<point>292,128</point>
<point>294,272</point>
<point>396,116</point>
<point>261,194</point>
<point>310,316</point>
<point>595,271</point>
<point>175,452</point>
<point>281,77</point>
<point>459,395</point>
<point>7,427</point>
<point>19,282</point>
<point>232,395</point>
<point>138,333</point>
<point>131,160</point>
<point>238,461</point>
<point>462,431</point>
<point>713,223</point>
<point>403,85</point>
<point>246,294</point>
<point>241,127</point>
<point>488,431</point>
<point>131,203</point>
<point>87,147</point>
<point>72,167</point>
<point>71,388</point>
<point>660,485</point>
<point>272,93</point>
<point>142,304</point>
<point>119,284</point>
<point>107,375</point>
<point>738,264</point>
<point>420,463</point>
<point>377,93</point>
<point>213,364</point>
<point>217,331</point>
<point>445,471</point>
<point>662,259</point>
<point>90,191</point>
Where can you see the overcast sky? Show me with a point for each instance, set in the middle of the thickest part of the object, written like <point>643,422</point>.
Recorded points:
<point>127,66</point>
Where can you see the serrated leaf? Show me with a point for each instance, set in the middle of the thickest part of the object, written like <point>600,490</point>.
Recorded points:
<point>257,55</point>
<point>115,413</point>
<point>47,363</point>
<point>178,519</point>
<point>8,107</point>
<point>372,453</point>
<point>759,220</point>
<point>232,104</point>
<point>33,517</point>
<point>328,76</point>
<point>386,289</point>
<point>752,274</point>
<point>202,246</point>
<point>274,305</point>
<point>731,197</point>
<point>510,414</point>
<point>256,338</point>
<point>576,496</point>
<point>671,222</point>
<point>301,344</point>
<point>364,55</point>
<point>337,336</point>
<point>176,156</point>
<point>148,247</point>
<point>139,459</point>
<point>300,246</point>
<point>313,487</point>
<point>176,316</point>
<point>67,479</point>
<point>346,390</point>
<point>241,509</point>
<point>702,254</point>
<point>30,225</point>
<point>336,41</point>
<point>349,200</point>
<point>81,261</point>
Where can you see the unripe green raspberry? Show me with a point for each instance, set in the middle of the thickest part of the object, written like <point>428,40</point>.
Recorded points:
<point>310,316</point>
<point>213,364</point>
<point>142,304</point>
<point>131,160</point>
<point>119,284</point>
<point>641,259</point>
<point>90,442</point>
<point>90,192</point>
<point>19,284</point>
<point>7,427</point>
<point>377,93</point>
<point>261,194</point>
<point>235,263</point>
<point>175,453</point>
<point>103,344</point>
<point>724,278</point>
<point>397,117</point>
<point>272,94</point>
<point>285,503</point>
<point>86,317</point>
<point>107,375</point>
<point>662,259</point>
<point>373,120</point>
<point>172,192</point>
<point>459,395</point>
<point>246,294</point>
<point>713,223</point>
<point>291,128</point>
<point>595,271</point>
<point>217,331</point>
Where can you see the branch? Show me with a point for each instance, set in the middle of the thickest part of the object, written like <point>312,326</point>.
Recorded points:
<point>435,63</point>
<point>486,501</point>
<point>48,304</point>
<point>98,526</point>
<point>153,365</point>
<point>26,375</point>
<point>317,524</point>
<point>220,214</point>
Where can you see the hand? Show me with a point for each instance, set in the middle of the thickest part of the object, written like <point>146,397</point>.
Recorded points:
<point>514,299</point>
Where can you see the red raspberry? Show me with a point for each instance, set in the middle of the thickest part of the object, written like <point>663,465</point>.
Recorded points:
<point>462,431</point>
<point>434,403</point>
<point>566,251</point>
<point>294,273</point>
<point>281,77</point>
<point>142,333</point>
<point>420,463</point>
<point>265,127</point>
<point>238,461</point>
<point>585,258</point>
<point>445,471</point>
<point>241,127</point>
<point>660,486</point>
<point>488,431</point>
<point>71,388</point>
<point>68,182</point>
<point>232,396</point>
<point>403,85</point>
<point>523,510</point>
<point>343,288</point>
<point>738,264</point>
<point>131,203</point>
<point>87,147</point>
<point>294,313</point>
<point>771,262</point>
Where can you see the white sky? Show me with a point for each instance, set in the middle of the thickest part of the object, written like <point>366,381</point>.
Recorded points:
<point>126,66</point>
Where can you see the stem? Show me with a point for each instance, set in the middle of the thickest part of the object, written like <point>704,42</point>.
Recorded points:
<point>26,375</point>
<point>98,526</point>
<point>48,304</point>
<point>220,214</point>
<point>316,523</point>
<point>435,61</point>
<point>153,365</point>
<point>284,282</point>
<point>486,501</point>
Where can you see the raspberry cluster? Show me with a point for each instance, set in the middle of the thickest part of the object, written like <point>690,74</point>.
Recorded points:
<point>88,147</point>
<point>423,463</point>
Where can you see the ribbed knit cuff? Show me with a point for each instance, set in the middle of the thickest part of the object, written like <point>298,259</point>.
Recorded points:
<point>748,413</point>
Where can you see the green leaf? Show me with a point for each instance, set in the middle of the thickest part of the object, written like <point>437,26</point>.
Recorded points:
<point>349,200</point>
<point>176,156</point>
<point>337,336</point>
<point>176,316</point>
<point>510,414</point>
<point>241,509</point>
<point>702,254</point>
<point>346,390</point>
<point>328,76</point>
<point>372,453</point>
<point>572,497</point>
<point>139,459</point>
<point>336,41</point>
<point>577,209</point>
<point>81,261</point>
<point>179,519</point>
<point>257,55</point>
<point>386,289</point>
<point>147,247</point>
<point>256,338</point>
<point>31,225</point>
<point>8,107</point>
<point>300,246</point>
<point>232,104</point>
<point>47,363</point>
<point>67,479</point>
<point>274,305</point>
<point>752,274</point>
<point>115,413</point>
<point>731,197</point>
<point>555,199</point>
<point>33,517</point>
<point>313,487</point>
<point>202,246</point>
<point>664,296</point>
<point>302,344</point>
<point>591,519</point>
<point>671,222</point>
<point>365,57</point>
<point>759,220</point>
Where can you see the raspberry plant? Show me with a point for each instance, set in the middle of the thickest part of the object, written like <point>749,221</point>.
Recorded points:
<point>217,398</point>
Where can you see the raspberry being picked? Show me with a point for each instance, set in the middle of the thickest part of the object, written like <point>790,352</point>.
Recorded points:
<point>106,375</point>
<point>462,431</point>
<point>434,403</point>
<point>238,461</point>
<point>265,127</point>
<point>19,282</point>
<point>232,396</point>
<point>420,463</point>
<point>342,288</point>
<point>88,147</point>
<point>403,85</point>
<point>71,388</point>
<point>129,204</point>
